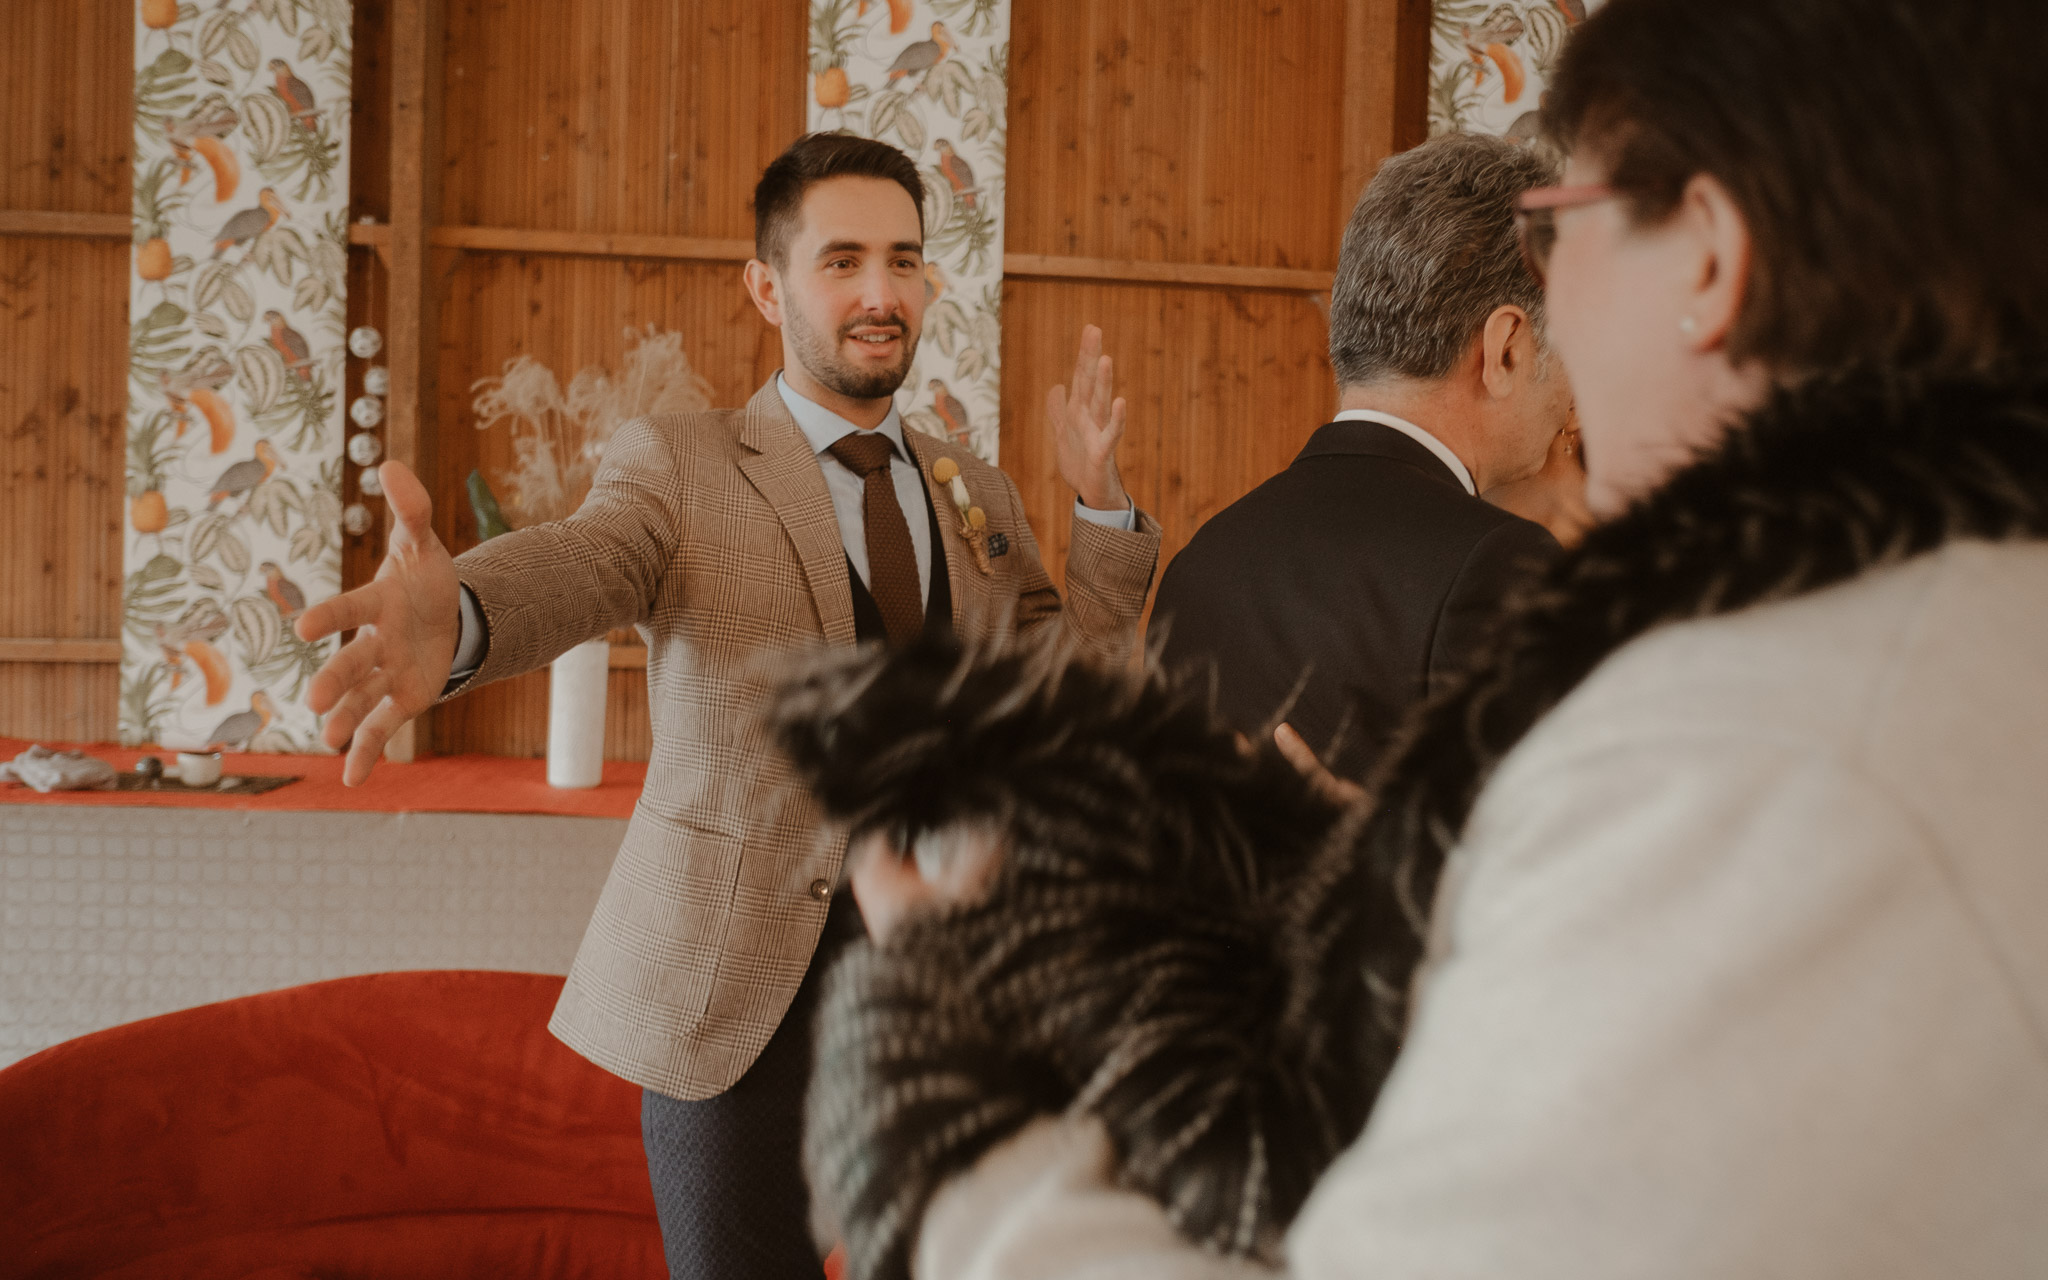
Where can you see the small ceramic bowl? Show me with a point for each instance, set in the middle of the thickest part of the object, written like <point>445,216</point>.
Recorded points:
<point>199,768</point>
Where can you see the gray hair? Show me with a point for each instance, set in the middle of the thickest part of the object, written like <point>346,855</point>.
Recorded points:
<point>1430,253</point>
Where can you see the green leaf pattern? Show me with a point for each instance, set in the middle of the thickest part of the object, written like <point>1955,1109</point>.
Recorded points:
<point>241,233</point>
<point>957,102</point>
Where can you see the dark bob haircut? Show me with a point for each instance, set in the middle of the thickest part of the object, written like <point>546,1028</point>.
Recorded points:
<point>1883,154</point>
<point>779,196</point>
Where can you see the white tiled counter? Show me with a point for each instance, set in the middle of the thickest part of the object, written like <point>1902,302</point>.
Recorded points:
<point>109,914</point>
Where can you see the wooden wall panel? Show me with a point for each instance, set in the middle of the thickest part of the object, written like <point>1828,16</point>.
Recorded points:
<point>647,116</point>
<point>66,86</point>
<point>1164,131</point>
<point>1152,131</point>
<point>63,380</point>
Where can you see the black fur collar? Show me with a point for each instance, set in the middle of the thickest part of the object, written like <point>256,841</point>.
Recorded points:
<point>1180,941</point>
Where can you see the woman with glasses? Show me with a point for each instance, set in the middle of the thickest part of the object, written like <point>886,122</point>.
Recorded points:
<point>1737,963</point>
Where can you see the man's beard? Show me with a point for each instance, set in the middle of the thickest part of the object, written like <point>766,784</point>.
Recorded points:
<point>820,358</point>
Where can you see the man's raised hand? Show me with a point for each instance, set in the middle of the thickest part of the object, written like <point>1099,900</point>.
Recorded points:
<point>407,622</point>
<point>1087,426</point>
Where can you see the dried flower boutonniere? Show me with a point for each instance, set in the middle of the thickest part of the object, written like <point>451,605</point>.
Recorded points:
<point>973,520</point>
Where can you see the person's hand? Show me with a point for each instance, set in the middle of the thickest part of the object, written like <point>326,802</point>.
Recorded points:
<point>1329,786</point>
<point>407,622</point>
<point>1086,427</point>
<point>889,887</point>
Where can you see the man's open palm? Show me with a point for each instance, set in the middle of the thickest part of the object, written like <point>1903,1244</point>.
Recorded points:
<point>1087,425</point>
<point>407,622</point>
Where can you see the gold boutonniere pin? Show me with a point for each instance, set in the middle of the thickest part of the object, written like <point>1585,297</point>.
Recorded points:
<point>973,520</point>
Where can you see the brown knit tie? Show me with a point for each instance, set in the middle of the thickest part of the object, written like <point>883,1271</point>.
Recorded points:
<point>892,563</point>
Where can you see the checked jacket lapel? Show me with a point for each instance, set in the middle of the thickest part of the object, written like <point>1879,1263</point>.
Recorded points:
<point>785,471</point>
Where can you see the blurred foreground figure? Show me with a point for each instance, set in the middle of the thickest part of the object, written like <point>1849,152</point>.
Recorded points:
<point>1722,953</point>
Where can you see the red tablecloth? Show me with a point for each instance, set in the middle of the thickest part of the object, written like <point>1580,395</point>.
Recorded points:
<point>442,784</point>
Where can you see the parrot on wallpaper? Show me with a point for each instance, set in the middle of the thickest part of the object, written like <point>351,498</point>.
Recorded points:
<point>291,344</point>
<point>950,411</point>
<point>934,282</point>
<point>920,58</point>
<point>250,223</point>
<point>1574,11</point>
<point>283,592</point>
<point>237,729</point>
<point>245,475</point>
<point>297,94</point>
<point>959,176</point>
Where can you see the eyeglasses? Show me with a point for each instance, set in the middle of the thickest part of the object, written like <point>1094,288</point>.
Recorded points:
<point>1536,219</point>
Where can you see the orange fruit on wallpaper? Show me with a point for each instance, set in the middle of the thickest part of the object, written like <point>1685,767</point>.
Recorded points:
<point>149,514</point>
<point>214,668</point>
<point>219,418</point>
<point>899,16</point>
<point>153,259</point>
<point>227,171</point>
<point>1511,77</point>
<point>159,14</point>
<point>832,87</point>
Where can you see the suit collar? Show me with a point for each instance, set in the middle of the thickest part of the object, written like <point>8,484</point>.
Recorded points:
<point>1355,438</point>
<point>824,428</point>
<point>1420,435</point>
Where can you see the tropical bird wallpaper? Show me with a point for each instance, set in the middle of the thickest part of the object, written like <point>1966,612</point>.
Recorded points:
<point>235,364</point>
<point>933,77</point>
<point>1490,60</point>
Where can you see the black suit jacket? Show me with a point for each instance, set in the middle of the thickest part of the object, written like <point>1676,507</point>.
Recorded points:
<point>1352,582</point>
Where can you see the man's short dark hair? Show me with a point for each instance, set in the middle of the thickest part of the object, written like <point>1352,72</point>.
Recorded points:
<point>1429,254</point>
<point>779,196</point>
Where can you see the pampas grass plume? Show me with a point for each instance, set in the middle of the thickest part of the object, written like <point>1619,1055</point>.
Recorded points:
<point>559,437</point>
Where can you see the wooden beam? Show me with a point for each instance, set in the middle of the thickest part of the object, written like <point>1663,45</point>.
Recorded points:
<point>86,226</point>
<point>409,323</point>
<point>1386,87</point>
<point>37,650</point>
<point>1025,266</point>
<point>1041,266</point>
<point>629,657</point>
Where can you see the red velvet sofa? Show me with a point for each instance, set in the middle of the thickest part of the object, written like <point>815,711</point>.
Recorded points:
<point>397,1125</point>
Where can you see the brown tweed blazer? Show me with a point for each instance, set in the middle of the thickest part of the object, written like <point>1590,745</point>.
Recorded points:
<point>714,534</point>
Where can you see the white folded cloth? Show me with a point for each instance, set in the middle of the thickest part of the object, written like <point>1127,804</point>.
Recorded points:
<point>48,770</point>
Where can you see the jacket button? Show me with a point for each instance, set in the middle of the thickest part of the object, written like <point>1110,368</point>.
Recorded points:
<point>821,889</point>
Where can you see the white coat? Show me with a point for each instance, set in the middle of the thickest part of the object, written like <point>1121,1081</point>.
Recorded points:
<point>1740,970</point>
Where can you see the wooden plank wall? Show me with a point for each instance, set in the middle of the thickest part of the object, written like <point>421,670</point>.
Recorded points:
<point>1178,173</point>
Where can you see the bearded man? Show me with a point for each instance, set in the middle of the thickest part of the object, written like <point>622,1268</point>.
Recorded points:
<point>810,516</point>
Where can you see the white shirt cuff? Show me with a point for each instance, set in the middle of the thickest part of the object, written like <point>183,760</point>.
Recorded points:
<point>469,649</point>
<point>1126,519</point>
